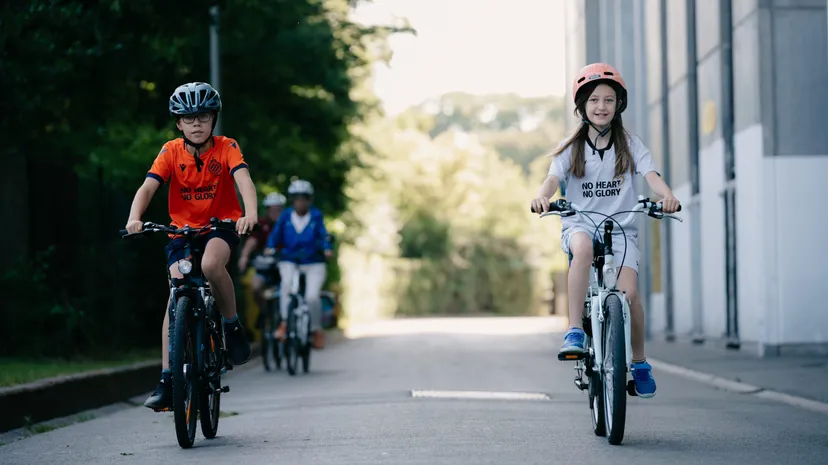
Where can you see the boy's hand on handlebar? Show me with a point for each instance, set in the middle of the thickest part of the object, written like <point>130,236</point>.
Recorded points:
<point>328,254</point>
<point>670,204</point>
<point>134,226</point>
<point>540,205</point>
<point>245,224</point>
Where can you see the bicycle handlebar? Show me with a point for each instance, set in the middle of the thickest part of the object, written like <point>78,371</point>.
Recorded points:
<point>563,208</point>
<point>215,224</point>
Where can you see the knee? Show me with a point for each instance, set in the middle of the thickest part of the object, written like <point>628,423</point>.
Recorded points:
<point>313,298</point>
<point>581,251</point>
<point>632,295</point>
<point>212,267</point>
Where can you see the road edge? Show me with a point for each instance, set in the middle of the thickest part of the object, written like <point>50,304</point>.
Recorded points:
<point>63,396</point>
<point>739,387</point>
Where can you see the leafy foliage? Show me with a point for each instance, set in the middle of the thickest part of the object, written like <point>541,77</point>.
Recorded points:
<point>85,96</point>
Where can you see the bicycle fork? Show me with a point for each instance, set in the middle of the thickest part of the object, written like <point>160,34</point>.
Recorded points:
<point>594,360</point>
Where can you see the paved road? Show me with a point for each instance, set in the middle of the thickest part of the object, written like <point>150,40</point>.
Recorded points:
<point>355,407</point>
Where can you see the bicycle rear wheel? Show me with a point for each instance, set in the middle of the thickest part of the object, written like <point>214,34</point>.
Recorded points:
<point>292,344</point>
<point>210,396</point>
<point>614,370</point>
<point>595,391</point>
<point>185,385</point>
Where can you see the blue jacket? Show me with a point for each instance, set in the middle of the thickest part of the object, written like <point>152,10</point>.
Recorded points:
<point>301,248</point>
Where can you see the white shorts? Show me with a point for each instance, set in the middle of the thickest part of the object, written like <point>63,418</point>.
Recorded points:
<point>618,246</point>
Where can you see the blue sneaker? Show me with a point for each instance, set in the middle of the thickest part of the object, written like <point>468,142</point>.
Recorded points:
<point>645,385</point>
<point>573,342</point>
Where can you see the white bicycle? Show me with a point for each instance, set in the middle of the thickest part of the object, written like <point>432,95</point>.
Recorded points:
<point>607,360</point>
<point>297,339</point>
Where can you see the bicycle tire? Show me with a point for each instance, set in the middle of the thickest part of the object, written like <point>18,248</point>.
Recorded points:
<point>292,343</point>
<point>595,391</point>
<point>184,389</point>
<point>614,370</point>
<point>210,402</point>
<point>275,317</point>
<point>306,351</point>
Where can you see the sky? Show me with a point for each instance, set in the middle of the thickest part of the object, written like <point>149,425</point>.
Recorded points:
<point>474,46</point>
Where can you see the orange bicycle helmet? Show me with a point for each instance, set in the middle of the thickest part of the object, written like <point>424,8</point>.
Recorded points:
<point>601,72</point>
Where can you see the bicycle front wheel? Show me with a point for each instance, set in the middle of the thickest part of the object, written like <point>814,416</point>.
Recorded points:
<point>615,370</point>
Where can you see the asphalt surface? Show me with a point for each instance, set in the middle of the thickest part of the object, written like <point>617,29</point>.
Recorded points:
<point>356,407</point>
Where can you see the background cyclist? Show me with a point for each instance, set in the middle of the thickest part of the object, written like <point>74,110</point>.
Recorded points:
<point>302,237</point>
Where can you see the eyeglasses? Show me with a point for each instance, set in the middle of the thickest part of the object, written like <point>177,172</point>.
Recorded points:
<point>202,117</point>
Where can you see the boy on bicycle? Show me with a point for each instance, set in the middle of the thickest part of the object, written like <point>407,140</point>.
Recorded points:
<point>201,169</point>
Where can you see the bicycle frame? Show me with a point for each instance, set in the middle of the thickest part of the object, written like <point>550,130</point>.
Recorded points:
<point>301,311</point>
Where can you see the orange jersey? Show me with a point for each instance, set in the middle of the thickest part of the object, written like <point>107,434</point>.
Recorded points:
<point>200,191</point>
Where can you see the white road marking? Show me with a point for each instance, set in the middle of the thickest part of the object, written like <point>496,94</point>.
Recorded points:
<point>478,395</point>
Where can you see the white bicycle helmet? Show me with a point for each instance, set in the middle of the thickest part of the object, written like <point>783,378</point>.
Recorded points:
<point>300,187</point>
<point>274,199</point>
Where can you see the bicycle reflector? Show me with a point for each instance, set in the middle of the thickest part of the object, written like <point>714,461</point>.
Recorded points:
<point>610,276</point>
<point>185,267</point>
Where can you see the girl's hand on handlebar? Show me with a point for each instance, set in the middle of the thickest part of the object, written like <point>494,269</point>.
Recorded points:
<point>540,205</point>
<point>669,204</point>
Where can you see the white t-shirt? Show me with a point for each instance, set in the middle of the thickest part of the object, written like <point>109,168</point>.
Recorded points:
<point>598,190</point>
<point>299,222</point>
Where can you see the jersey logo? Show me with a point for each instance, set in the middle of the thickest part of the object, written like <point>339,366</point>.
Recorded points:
<point>214,166</point>
<point>182,166</point>
<point>163,149</point>
<point>233,144</point>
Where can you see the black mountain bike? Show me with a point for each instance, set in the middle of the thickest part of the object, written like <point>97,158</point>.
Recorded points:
<point>197,344</point>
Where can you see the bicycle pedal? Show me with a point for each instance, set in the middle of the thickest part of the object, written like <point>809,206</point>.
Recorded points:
<point>631,388</point>
<point>225,389</point>
<point>571,357</point>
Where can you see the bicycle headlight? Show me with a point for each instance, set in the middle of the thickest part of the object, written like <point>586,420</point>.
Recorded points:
<point>185,266</point>
<point>610,276</point>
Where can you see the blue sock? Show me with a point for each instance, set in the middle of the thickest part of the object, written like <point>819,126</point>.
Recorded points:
<point>228,321</point>
<point>165,374</point>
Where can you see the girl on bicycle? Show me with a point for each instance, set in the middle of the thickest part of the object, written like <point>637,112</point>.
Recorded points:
<point>597,163</point>
<point>301,235</point>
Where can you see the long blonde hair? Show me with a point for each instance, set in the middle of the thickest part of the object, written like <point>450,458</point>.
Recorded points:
<point>624,162</point>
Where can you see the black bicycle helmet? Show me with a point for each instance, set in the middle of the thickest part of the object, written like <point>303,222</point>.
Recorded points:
<point>194,98</point>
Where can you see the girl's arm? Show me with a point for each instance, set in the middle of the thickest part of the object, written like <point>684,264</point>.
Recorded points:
<point>669,202</point>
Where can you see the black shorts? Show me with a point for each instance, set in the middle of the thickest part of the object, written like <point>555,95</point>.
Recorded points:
<point>175,249</point>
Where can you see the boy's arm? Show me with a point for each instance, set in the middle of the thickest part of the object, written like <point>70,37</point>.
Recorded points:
<point>142,198</point>
<point>248,193</point>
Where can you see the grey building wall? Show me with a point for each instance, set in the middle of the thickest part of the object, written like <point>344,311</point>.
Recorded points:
<point>780,71</point>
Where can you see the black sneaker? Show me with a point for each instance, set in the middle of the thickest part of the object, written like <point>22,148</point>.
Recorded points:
<point>161,399</point>
<point>238,348</point>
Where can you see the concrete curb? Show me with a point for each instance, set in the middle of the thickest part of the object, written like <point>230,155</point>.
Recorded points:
<point>61,396</point>
<point>65,395</point>
<point>739,387</point>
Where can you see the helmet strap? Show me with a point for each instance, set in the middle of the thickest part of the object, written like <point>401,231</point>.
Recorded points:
<point>198,147</point>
